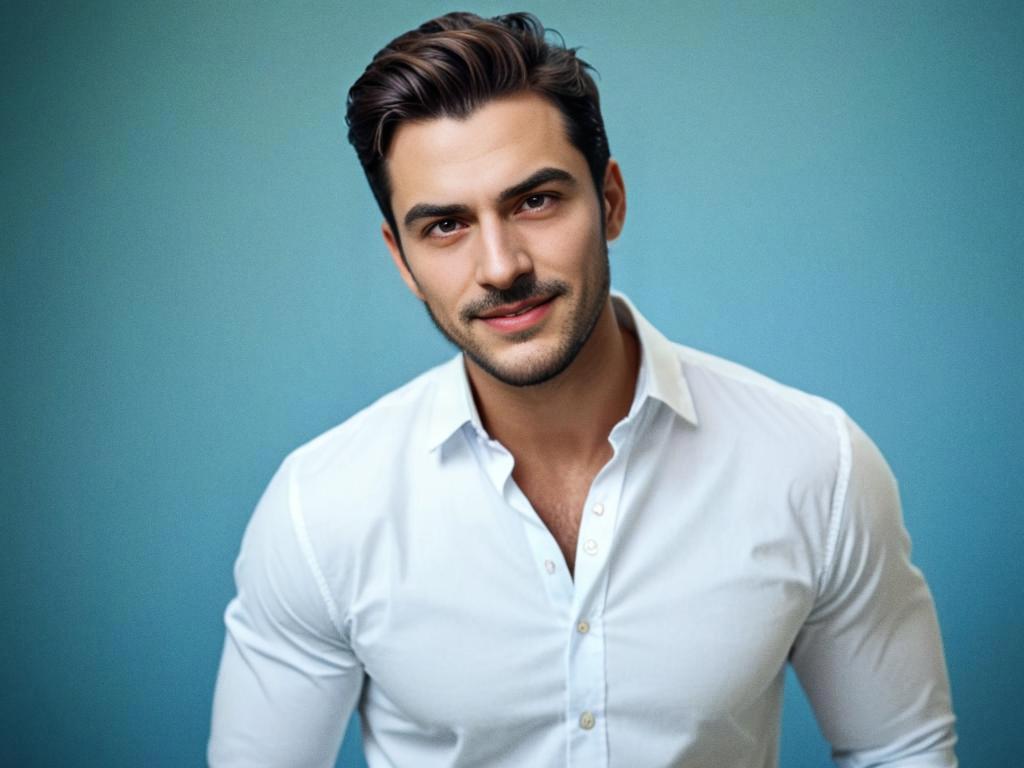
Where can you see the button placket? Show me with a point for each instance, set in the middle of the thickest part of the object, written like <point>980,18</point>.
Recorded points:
<point>586,674</point>
<point>586,652</point>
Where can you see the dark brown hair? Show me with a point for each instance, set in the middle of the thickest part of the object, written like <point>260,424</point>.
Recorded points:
<point>454,64</point>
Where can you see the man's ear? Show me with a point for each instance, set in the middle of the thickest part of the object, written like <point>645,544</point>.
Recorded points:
<point>396,256</point>
<point>613,197</point>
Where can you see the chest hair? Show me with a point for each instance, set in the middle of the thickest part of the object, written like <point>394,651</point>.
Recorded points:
<point>558,499</point>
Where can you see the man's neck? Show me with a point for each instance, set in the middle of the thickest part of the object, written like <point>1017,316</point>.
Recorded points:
<point>567,419</point>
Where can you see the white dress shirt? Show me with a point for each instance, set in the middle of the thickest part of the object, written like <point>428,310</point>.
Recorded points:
<point>393,563</point>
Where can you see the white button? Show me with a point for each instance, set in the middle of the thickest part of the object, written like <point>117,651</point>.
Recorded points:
<point>590,547</point>
<point>599,509</point>
<point>587,720</point>
<point>549,566</point>
<point>583,627</point>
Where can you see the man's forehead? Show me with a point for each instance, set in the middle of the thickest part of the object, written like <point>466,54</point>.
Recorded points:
<point>496,145</point>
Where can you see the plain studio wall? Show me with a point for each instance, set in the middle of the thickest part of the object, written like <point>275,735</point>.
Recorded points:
<point>193,284</point>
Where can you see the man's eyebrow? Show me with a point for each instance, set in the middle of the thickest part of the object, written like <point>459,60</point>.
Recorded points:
<point>543,176</point>
<point>432,210</point>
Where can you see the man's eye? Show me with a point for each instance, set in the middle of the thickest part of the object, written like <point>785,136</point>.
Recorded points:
<point>534,202</point>
<point>443,227</point>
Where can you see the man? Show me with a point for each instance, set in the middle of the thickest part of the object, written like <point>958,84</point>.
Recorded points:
<point>576,543</point>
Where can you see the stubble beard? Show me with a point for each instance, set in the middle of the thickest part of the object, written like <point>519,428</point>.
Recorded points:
<point>581,324</point>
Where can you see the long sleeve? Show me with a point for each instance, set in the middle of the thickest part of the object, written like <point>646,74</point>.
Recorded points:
<point>288,680</point>
<point>870,655</point>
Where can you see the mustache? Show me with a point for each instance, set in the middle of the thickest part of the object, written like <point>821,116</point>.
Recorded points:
<point>523,289</point>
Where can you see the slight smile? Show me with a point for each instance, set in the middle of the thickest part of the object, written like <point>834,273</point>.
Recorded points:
<point>518,317</point>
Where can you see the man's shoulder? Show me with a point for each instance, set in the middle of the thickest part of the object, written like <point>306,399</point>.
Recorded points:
<point>795,447</point>
<point>372,443</point>
<point>700,366</point>
<point>776,419</point>
<point>710,386</point>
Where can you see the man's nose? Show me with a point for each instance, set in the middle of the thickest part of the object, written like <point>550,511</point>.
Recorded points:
<point>503,257</point>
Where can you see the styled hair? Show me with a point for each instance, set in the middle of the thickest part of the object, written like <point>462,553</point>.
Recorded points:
<point>454,64</point>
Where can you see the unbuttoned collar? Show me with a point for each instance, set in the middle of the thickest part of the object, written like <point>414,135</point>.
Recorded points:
<point>661,372</point>
<point>660,377</point>
<point>453,404</point>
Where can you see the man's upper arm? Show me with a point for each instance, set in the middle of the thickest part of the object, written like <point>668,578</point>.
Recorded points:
<point>288,680</point>
<point>870,656</point>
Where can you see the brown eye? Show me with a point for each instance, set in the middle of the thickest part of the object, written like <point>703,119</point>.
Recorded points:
<point>443,228</point>
<point>535,201</point>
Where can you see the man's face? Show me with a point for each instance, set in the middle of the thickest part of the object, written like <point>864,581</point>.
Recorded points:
<point>502,234</point>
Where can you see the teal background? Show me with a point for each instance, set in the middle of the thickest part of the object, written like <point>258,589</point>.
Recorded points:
<point>193,284</point>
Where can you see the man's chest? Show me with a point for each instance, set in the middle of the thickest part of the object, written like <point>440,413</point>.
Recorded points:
<point>558,493</point>
<point>680,605</point>
<point>558,501</point>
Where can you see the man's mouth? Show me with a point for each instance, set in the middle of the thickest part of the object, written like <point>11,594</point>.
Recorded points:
<point>514,310</point>
<point>518,317</point>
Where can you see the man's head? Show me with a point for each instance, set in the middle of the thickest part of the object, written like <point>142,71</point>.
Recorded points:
<point>453,65</point>
<point>485,148</point>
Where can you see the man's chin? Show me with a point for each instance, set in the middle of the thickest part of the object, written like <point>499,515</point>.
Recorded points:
<point>525,373</point>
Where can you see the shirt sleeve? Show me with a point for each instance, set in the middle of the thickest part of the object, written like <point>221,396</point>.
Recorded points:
<point>870,655</point>
<point>288,679</point>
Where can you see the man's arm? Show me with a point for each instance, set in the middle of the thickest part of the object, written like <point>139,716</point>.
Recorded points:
<point>288,680</point>
<point>870,656</point>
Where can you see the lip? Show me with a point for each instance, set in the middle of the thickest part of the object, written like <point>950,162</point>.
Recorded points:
<point>497,318</point>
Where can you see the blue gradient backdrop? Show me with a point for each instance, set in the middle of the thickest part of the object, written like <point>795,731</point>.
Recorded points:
<point>193,284</point>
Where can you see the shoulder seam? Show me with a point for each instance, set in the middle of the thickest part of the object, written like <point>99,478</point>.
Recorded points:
<point>298,521</point>
<point>839,494</point>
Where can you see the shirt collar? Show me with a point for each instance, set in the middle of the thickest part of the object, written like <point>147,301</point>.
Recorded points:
<point>453,404</point>
<point>661,374</point>
<point>660,377</point>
